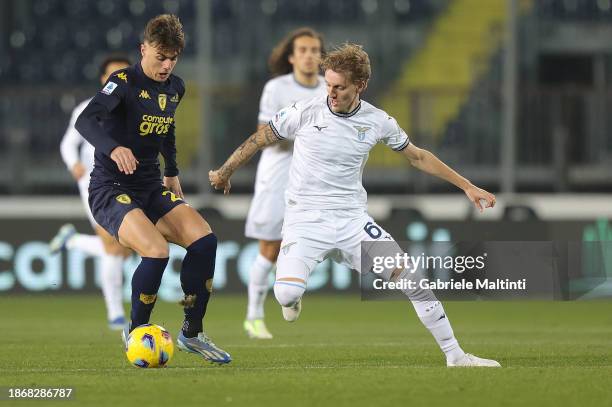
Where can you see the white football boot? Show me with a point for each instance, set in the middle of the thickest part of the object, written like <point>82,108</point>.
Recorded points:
<point>469,360</point>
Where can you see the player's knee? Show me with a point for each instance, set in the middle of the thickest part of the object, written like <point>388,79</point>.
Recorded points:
<point>288,293</point>
<point>155,249</point>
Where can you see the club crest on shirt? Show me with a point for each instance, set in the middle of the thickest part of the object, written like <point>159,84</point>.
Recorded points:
<point>361,131</point>
<point>161,99</point>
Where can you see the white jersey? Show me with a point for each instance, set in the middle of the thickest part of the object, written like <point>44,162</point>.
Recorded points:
<point>280,92</point>
<point>72,140</point>
<point>330,151</point>
<point>265,218</point>
<point>69,148</point>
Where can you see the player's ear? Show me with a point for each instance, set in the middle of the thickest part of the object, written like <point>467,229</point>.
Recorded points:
<point>142,49</point>
<point>361,87</point>
<point>291,59</point>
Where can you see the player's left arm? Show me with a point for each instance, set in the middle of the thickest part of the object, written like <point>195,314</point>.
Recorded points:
<point>220,179</point>
<point>429,163</point>
<point>168,151</point>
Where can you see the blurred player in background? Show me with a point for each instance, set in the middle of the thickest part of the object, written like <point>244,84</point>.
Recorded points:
<point>78,155</point>
<point>294,63</point>
<point>326,215</point>
<point>130,122</point>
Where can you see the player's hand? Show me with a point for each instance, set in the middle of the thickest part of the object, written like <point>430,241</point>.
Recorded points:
<point>77,170</point>
<point>173,184</point>
<point>476,194</point>
<point>220,181</point>
<point>126,162</point>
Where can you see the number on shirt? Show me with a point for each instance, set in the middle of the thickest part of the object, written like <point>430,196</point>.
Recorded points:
<point>372,230</point>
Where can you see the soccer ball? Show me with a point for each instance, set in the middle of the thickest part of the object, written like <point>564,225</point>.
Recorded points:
<point>149,346</point>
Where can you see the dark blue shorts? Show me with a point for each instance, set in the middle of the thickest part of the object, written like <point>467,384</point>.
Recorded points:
<point>110,203</point>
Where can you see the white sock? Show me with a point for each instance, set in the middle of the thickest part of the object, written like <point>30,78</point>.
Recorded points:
<point>432,315</point>
<point>90,244</point>
<point>112,285</point>
<point>258,286</point>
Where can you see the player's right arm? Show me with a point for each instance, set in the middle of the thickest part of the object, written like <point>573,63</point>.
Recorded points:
<point>265,136</point>
<point>283,126</point>
<point>105,101</point>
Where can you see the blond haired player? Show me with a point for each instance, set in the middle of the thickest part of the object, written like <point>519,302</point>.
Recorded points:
<point>326,213</point>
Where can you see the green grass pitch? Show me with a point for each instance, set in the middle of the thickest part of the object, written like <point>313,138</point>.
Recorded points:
<point>342,352</point>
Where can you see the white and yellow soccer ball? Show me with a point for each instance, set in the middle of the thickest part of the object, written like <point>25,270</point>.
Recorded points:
<point>149,346</point>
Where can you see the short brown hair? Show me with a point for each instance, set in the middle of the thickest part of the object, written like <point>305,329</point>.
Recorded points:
<point>278,63</point>
<point>166,32</point>
<point>349,59</point>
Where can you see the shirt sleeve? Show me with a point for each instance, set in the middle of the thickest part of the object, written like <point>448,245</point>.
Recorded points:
<point>168,146</point>
<point>393,135</point>
<point>102,104</point>
<point>267,107</point>
<point>69,146</point>
<point>168,151</point>
<point>286,122</point>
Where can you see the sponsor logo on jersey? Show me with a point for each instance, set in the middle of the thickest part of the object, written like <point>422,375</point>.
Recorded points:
<point>109,88</point>
<point>175,98</point>
<point>154,125</point>
<point>161,99</point>
<point>320,127</point>
<point>124,199</point>
<point>122,76</point>
<point>144,94</point>
<point>361,131</point>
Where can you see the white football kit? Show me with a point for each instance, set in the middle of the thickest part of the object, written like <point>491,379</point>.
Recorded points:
<point>326,214</point>
<point>265,217</point>
<point>69,148</point>
<point>326,204</point>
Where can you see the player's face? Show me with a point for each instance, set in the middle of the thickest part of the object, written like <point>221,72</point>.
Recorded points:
<point>343,94</point>
<point>110,68</point>
<point>306,55</point>
<point>156,63</point>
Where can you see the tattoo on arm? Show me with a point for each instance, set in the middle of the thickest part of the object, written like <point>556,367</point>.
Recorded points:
<point>258,140</point>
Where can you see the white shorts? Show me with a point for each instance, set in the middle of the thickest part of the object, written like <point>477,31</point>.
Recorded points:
<point>315,235</point>
<point>83,184</point>
<point>265,218</point>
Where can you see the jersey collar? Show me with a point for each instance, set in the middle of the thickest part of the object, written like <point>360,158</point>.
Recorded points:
<point>349,114</point>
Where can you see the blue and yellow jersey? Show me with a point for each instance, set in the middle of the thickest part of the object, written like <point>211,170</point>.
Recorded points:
<point>136,112</point>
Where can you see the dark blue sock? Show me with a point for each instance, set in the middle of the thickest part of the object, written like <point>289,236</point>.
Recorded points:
<point>145,284</point>
<point>196,280</point>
